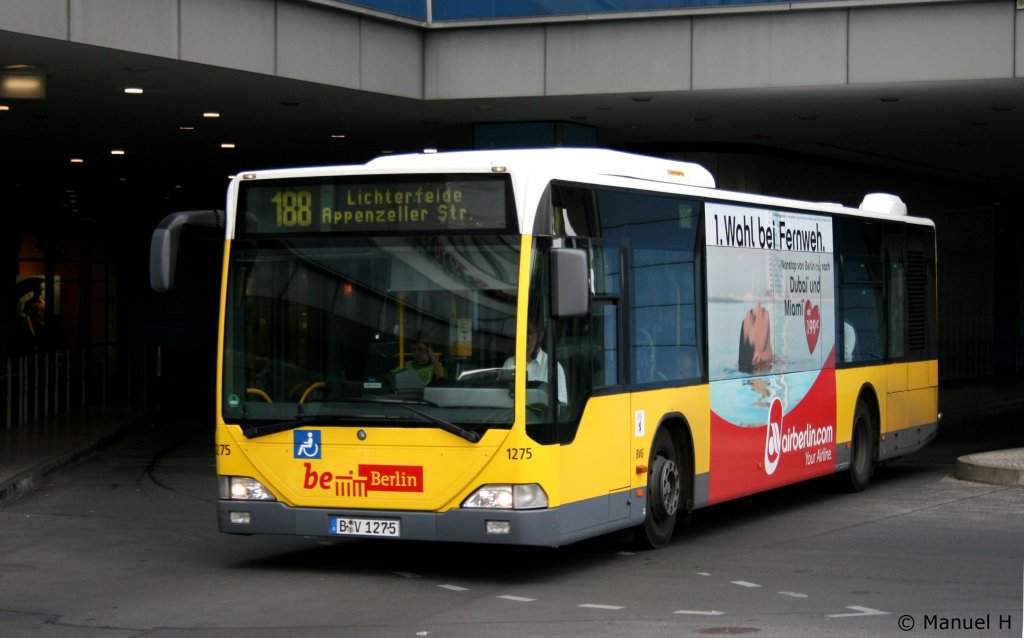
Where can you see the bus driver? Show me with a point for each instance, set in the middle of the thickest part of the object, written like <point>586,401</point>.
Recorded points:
<point>537,362</point>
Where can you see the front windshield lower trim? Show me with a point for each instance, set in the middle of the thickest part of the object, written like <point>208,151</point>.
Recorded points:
<point>254,430</point>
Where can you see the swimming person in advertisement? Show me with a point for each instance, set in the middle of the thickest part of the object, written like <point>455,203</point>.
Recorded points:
<point>755,350</point>
<point>537,361</point>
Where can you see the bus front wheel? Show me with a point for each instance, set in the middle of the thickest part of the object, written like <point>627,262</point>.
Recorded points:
<point>665,480</point>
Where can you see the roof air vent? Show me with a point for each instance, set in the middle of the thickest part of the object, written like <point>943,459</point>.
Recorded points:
<point>883,203</point>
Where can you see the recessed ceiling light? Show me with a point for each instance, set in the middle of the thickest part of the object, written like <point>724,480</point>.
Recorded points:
<point>211,114</point>
<point>227,145</point>
<point>133,90</point>
<point>77,160</point>
<point>186,127</point>
<point>117,151</point>
<point>4,107</point>
<point>337,136</point>
<point>31,86</point>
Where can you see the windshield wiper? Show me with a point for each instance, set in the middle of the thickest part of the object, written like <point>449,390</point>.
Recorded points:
<point>254,430</point>
<point>447,426</point>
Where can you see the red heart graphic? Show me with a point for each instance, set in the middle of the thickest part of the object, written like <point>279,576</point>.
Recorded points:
<point>812,325</point>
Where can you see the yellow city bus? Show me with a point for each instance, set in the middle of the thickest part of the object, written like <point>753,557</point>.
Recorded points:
<point>683,345</point>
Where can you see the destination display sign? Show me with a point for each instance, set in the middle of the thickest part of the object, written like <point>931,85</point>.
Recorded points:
<point>392,204</point>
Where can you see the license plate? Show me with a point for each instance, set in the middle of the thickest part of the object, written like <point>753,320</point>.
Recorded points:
<point>389,527</point>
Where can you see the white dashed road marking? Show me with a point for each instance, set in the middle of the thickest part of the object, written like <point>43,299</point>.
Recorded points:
<point>859,611</point>
<point>744,583</point>
<point>694,612</point>
<point>856,610</point>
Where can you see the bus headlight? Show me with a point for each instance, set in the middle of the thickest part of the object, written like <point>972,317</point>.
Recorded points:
<point>508,497</point>
<point>242,488</point>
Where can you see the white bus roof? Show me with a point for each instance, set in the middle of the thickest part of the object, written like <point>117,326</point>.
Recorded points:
<point>579,160</point>
<point>587,165</point>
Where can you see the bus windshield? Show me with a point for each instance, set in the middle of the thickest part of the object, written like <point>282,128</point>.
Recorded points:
<point>360,329</point>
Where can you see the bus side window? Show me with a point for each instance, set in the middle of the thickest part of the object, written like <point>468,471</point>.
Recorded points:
<point>862,310</point>
<point>896,295</point>
<point>661,232</point>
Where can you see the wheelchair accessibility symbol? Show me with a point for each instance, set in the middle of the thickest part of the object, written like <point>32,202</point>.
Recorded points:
<point>307,444</point>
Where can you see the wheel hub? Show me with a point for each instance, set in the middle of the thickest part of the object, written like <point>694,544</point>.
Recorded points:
<point>667,486</point>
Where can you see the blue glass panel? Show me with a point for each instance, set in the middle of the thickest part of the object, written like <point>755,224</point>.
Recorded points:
<point>450,10</point>
<point>446,10</point>
<point>415,9</point>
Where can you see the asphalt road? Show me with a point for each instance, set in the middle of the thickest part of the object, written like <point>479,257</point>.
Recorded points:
<point>125,544</point>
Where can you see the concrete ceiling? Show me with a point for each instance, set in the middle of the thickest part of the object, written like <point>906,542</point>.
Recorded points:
<point>966,133</point>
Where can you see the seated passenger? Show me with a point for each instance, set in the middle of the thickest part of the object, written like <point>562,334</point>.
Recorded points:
<point>425,363</point>
<point>849,341</point>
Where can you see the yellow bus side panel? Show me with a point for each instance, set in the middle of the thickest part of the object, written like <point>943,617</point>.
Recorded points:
<point>922,393</point>
<point>895,378</point>
<point>692,404</point>
<point>610,452</point>
<point>598,461</point>
<point>849,383</point>
<point>907,395</point>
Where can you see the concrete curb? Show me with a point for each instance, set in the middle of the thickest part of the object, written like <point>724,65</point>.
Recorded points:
<point>27,480</point>
<point>24,482</point>
<point>1004,467</point>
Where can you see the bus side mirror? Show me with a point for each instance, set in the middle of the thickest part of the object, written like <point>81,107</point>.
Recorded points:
<point>163,247</point>
<point>570,283</point>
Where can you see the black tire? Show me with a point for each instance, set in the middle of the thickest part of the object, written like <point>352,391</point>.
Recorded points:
<point>863,451</point>
<point>667,481</point>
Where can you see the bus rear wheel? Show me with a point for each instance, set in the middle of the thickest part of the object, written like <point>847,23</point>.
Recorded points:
<point>862,452</point>
<point>665,484</point>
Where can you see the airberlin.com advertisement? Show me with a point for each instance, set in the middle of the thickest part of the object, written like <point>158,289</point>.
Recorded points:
<point>771,337</point>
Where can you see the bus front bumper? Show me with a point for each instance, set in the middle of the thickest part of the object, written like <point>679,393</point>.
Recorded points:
<point>549,527</point>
